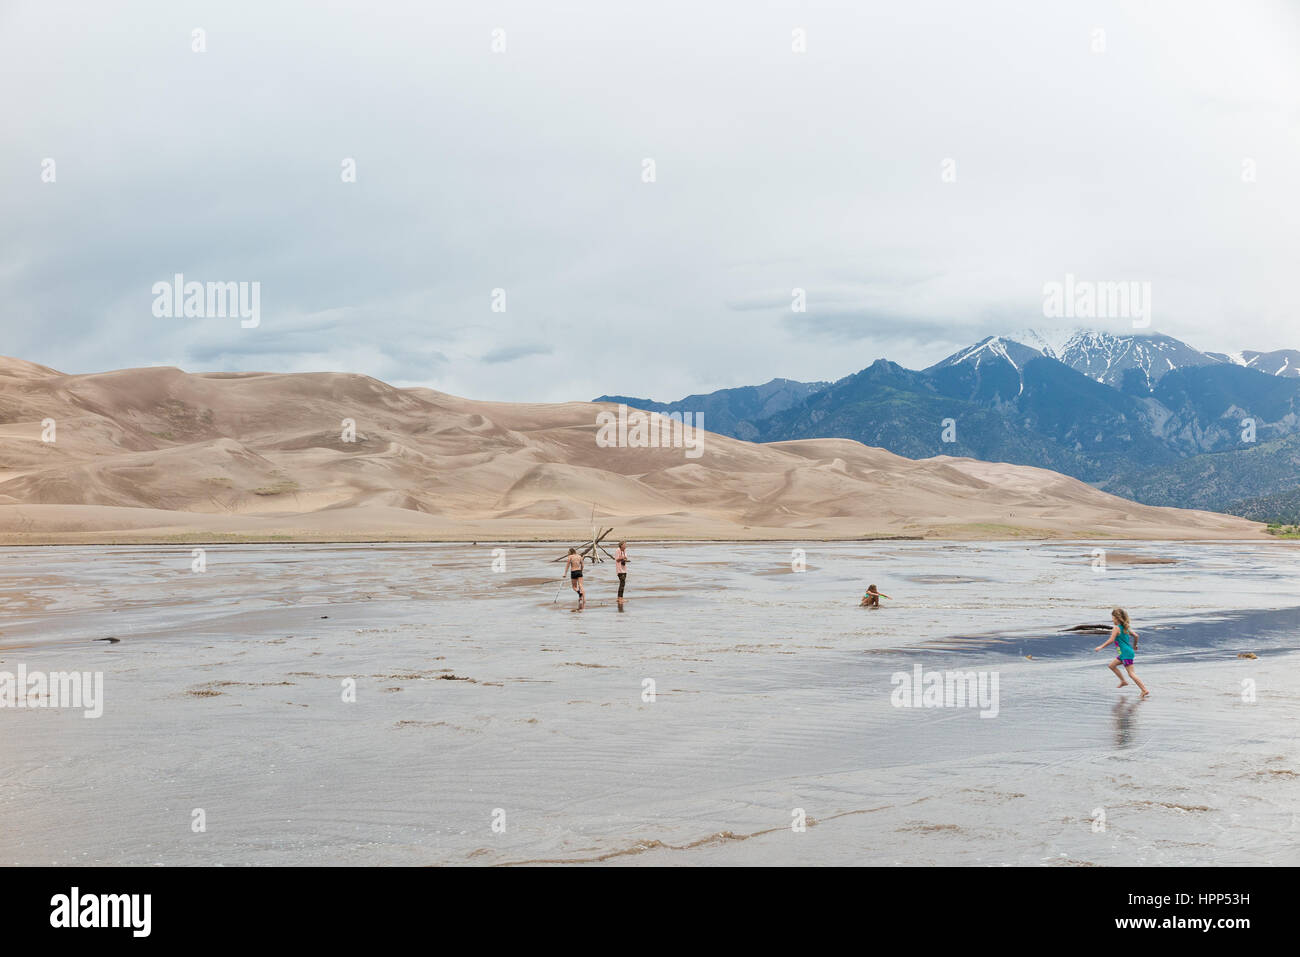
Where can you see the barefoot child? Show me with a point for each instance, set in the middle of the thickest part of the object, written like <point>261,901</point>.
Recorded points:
<point>574,566</point>
<point>1126,643</point>
<point>872,597</point>
<point>620,567</point>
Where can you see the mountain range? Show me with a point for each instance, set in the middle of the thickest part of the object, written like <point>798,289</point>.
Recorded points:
<point>162,455</point>
<point>1144,416</point>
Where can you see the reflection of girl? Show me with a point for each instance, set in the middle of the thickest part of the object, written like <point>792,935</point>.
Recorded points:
<point>872,597</point>
<point>1126,643</point>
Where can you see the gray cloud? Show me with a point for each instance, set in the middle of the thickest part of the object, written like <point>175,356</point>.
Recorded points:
<point>522,171</point>
<point>511,353</point>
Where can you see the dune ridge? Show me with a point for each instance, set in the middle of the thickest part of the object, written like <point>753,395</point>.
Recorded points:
<point>158,454</point>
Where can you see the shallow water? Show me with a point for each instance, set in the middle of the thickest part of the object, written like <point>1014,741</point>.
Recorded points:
<point>772,693</point>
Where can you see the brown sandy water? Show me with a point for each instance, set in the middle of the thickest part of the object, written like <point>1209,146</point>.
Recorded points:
<point>480,695</point>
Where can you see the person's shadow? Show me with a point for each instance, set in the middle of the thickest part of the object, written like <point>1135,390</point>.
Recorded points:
<point>1125,722</point>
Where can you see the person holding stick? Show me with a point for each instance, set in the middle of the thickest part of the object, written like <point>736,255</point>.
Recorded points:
<point>573,565</point>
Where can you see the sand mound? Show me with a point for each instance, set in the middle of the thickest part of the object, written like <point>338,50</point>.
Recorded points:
<point>147,454</point>
<point>22,369</point>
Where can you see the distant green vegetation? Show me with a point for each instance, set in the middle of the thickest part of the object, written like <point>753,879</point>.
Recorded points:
<point>216,538</point>
<point>995,530</point>
<point>183,419</point>
<point>1285,531</point>
<point>1281,508</point>
<point>1259,482</point>
<point>279,488</point>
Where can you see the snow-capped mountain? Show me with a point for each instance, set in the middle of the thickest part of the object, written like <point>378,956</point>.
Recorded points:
<point>1108,358</point>
<point>1280,362</point>
<point>1101,356</point>
<point>1145,416</point>
<point>996,349</point>
<point>1050,341</point>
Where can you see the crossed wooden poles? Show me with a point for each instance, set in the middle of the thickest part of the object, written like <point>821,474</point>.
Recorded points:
<point>592,549</point>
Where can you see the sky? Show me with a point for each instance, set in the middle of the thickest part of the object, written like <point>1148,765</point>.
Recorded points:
<point>919,170</point>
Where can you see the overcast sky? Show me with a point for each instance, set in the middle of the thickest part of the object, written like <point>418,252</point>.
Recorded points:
<point>522,170</point>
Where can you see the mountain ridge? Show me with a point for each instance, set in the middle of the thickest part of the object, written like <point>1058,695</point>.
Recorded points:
<point>1093,405</point>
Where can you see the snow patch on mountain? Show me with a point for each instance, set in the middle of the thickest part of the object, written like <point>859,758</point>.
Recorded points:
<point>1280,362</point>
<point>1050,341</point>
<point>1108,358</point>
<point>993,347</point>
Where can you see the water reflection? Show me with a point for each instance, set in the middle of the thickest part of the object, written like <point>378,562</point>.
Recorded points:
<point>1125,712</point>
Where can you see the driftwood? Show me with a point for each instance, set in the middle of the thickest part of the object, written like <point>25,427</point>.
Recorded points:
<point>591,549</point>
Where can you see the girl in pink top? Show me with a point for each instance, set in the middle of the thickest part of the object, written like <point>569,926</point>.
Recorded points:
<point>620,566</point>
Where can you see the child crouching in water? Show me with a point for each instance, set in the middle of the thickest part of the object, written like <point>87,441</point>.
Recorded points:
<point>1126,644</point>
<point>872,598</point>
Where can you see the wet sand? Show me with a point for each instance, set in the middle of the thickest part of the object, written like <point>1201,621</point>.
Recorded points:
<point>479,692</point>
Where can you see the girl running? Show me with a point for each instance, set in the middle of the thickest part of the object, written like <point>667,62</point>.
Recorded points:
<point>1126,644</point>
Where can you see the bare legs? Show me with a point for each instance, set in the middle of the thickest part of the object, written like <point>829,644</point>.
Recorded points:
<point>1114,667</point>
<point>1136,680</point>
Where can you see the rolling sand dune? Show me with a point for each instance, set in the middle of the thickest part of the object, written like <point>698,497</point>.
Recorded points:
<point>160,454</point>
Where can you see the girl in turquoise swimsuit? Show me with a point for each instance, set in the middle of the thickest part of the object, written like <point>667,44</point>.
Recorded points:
<point>1126,643</point>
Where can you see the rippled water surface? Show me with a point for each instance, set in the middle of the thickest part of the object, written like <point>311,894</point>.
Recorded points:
<point>482,697</point>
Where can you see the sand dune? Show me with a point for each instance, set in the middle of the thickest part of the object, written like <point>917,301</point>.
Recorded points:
<point>160,454</point>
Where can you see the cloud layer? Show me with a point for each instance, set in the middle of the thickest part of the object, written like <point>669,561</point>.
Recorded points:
<point>523,171</point>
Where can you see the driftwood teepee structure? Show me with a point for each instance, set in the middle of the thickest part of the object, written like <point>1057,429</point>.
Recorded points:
<point>592,549</point>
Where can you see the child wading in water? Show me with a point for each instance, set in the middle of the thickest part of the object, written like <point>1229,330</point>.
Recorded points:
<point>620,567</point>
<point>574,566</point>
<point>872,597</point>
<point>1126,643</point>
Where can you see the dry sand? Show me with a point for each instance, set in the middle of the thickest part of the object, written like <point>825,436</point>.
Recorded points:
<point>160,455</point>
